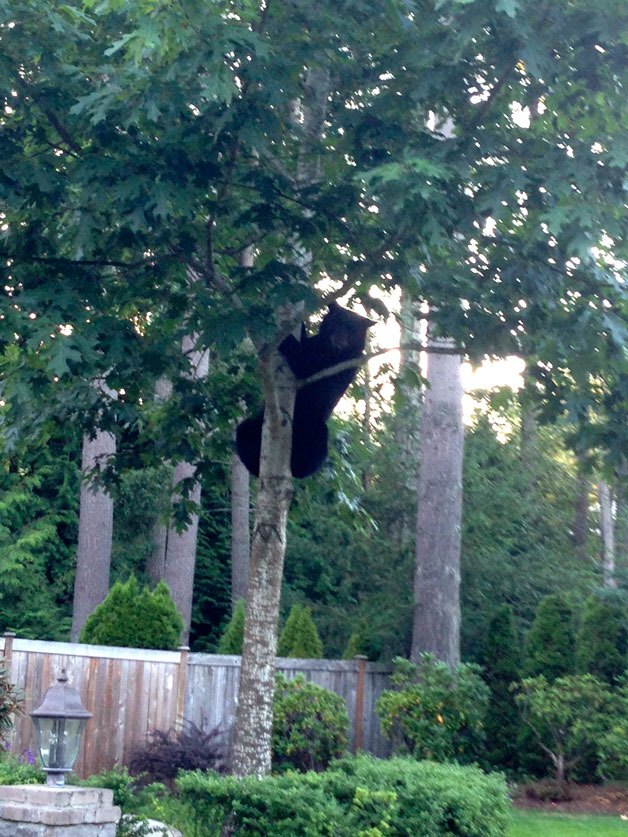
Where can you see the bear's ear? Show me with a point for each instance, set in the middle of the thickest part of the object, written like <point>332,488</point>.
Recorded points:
<point>333,306</point>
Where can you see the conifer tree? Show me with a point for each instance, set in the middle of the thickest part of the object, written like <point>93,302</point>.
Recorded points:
<point>135,618</point>
<point>550,643</point>
<point>299,637</point>
<point>233,635</point>
<point>602,639</point>
<point>502,668</point>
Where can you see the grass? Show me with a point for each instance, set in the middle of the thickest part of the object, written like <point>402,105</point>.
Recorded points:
<point>534,824</point>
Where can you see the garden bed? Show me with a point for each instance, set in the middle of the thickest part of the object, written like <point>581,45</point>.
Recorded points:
<point>585,799</point>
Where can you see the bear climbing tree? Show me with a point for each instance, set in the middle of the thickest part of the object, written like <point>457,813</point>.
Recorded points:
<point>341,337</point>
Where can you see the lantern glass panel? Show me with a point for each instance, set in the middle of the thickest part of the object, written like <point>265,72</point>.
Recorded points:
<point>58,741</point>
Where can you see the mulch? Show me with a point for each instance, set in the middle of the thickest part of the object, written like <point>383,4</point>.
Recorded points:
<point>586,799</point>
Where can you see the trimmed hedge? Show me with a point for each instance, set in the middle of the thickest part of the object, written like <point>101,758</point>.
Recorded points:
<point>356,796</point>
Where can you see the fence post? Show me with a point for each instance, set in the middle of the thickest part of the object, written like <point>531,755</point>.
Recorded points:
<point>182,677</point>
<point>9,636</point>
<point>359,702</point>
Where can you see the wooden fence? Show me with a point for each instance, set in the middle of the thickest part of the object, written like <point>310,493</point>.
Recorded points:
<point>134,691</point>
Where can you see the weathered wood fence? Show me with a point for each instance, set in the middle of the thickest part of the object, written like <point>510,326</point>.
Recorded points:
<point>134,691</point>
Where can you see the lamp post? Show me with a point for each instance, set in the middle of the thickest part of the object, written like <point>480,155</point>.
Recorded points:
<point>59,723</point>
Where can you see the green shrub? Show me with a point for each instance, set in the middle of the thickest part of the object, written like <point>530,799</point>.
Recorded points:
<point>568,716</point>
<point>14,771</point>
<point>135,618</point>
<point>612,745</point>
<point>233,636</point>
<point>119,781</point>
<point>299,637</point>
<point>501,660</point>
<point>139,802</point>
<point>550,644</point>
<point>309,725</point>
<point>602,638</point>
<point>356,797</point>
<point>434,713</point>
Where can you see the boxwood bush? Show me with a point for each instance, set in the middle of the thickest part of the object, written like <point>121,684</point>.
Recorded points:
<point>355,796</point>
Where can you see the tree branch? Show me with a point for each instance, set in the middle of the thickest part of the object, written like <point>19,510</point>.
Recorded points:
<point>355,362</point>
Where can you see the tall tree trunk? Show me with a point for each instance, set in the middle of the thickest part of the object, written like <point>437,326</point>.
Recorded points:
<point>436,627</point>
<point>607,528</point>
<point>240,529</point>
<point>580,528</point>
<point>93,556</point>
<point>173,557</point>
<point>254,713</point>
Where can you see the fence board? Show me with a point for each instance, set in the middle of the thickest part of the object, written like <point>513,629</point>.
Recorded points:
<point>133,691</point>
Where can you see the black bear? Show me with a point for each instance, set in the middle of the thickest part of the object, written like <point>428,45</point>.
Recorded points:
<point>341,336</point>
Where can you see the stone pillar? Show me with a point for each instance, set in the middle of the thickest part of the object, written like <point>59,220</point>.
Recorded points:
<point>42,811</point>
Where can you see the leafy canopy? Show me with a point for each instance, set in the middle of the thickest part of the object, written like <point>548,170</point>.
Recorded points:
<point>149,149</point>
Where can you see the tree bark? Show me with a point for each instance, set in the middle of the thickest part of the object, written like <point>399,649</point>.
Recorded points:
<point>93,555</point>
<point>254,714</point>
<point>240,530</point>
<point>436,627</point>
<point>173,557</point>
<point>607,528</point>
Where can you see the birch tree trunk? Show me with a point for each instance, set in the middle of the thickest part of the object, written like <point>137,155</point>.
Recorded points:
<point>93,555</point>
<point>254,713</point>
<point>240,529</point>
<point>173,557</point>
<point>436,626</point>
<point>607,528</point>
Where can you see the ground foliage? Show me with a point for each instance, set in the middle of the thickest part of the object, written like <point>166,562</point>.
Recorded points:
<point>358,795</point>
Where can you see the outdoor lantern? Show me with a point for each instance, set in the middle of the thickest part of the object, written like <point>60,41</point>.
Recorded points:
<point>59,722</point>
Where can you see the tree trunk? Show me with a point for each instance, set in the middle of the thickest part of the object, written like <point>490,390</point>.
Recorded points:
<point>93,556</point>
<point>607,528</point>
<point>580,528</point>
<point>254,714</point>
<point>436,627</point>
<point>560,770</point>
<point>174,553</point>
<point>240,530</point>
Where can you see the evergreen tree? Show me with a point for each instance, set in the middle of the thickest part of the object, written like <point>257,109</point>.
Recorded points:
<point>233,635</point>
<point>550,642</point>
<point>602,639</point>
<point>299,637</point>
<point>134,618</point>
<point>502,667</point>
